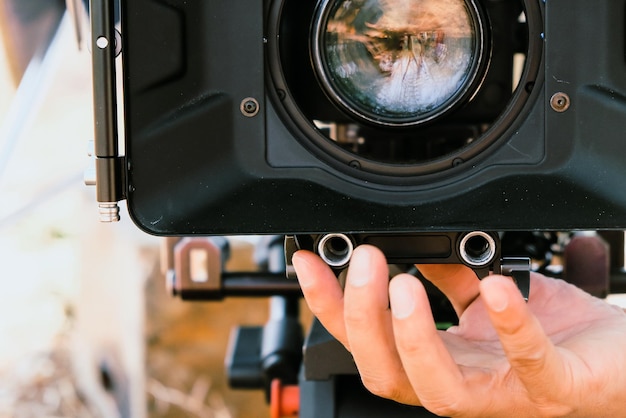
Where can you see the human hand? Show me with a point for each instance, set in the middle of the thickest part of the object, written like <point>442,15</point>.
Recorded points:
<point>561,354</point>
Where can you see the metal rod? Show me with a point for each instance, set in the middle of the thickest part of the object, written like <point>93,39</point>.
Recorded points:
<point>258,285</point>
<point>103,60</point>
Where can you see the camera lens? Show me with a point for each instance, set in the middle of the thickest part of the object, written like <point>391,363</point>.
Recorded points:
<point>403,92</point>
<point>398,62</point>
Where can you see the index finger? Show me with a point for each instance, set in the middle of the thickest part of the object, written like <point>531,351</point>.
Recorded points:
<point>322,292</point>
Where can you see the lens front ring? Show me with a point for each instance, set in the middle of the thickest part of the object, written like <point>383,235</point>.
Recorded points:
<point>399,69</point>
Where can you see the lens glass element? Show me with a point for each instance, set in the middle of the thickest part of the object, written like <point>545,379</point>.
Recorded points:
<point>397,62</point>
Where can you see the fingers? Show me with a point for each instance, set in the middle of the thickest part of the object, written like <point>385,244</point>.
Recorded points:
<point>433,373</point>
<point>322,292</point>
<point>459,283</point>
<point>369,329</point>
<point>531,354</point>
<point>360,320</point>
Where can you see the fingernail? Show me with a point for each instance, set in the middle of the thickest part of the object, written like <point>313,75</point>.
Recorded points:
<point>402,299</point>
<point>302,267</point>
<point>495,296</point>
<point>360,268</point>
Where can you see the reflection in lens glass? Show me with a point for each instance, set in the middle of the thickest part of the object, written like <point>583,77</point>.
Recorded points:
<point>397,61</point>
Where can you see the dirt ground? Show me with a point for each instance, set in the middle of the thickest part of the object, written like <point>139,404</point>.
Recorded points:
<point>186,348</point>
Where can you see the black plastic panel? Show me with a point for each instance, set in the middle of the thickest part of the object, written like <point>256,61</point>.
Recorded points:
<point>198,165</point>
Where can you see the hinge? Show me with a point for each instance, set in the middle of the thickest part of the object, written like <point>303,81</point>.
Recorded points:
<point>110,167</point>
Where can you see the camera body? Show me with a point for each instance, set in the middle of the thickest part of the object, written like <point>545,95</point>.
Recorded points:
<point>229,128</point>
<point>284,117</point>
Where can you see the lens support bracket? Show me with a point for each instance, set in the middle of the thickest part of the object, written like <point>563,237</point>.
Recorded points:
<point>478,250</point>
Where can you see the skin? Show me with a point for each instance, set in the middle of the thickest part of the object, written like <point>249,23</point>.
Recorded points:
<point>561,354</point>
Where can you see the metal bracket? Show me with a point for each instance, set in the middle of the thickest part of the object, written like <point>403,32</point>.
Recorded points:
<point>482,255</point>
<point>519,269</point>
<point>194,270</point>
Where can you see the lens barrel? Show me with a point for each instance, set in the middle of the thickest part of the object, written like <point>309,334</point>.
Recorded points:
<point>402,92</point>
<point>397,62</point>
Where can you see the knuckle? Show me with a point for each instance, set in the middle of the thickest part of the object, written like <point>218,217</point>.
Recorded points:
<point>408,346</point>
<point>552,404</point>
<point>553,410</point>
<point>530,363</point>
<point>317,306</point>
<point>449,407</point>
<point>382,387</point>
<point>412,347</point>
<point>357,317</point>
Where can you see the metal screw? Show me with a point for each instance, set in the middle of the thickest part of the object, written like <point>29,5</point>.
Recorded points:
<point>355,164</point>
<point>249,107</point>
<point>102,42</point>
<point>560,102</point>
<point>109,212</point>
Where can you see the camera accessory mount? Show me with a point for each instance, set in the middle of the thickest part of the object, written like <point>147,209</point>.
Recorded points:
<point>477,250</point>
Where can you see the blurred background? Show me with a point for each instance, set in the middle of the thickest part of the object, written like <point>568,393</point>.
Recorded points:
<point>87,328</point>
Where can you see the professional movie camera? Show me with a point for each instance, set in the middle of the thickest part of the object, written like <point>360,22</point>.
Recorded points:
<point>430,128</point>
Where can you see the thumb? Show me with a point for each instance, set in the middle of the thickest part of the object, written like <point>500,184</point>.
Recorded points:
<point>531,354</point>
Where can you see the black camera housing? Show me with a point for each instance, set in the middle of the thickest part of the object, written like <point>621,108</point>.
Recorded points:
<point>218,101</point>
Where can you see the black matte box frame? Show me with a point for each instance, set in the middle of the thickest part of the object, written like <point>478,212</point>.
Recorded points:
<point>197,165</point>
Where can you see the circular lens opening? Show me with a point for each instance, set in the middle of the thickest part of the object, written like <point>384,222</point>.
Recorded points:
<point>397,62</point>
<point>352,125</point>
